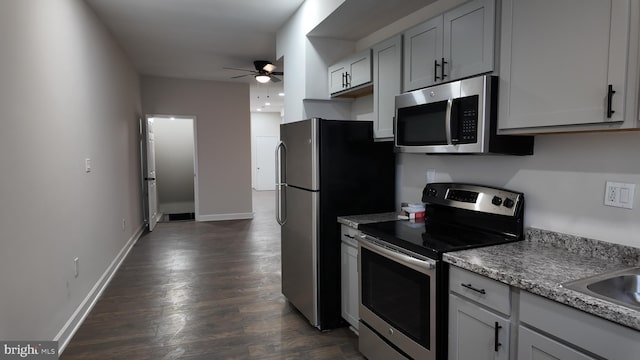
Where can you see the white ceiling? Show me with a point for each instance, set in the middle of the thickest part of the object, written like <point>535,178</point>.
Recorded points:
<point>197,39</point>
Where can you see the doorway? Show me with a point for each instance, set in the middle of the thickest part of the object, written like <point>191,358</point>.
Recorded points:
<point>265,135</point>
<point>175,167</point>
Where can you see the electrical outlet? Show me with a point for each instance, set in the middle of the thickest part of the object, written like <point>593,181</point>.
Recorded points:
<point>76,264</point>
<point>619,194</point>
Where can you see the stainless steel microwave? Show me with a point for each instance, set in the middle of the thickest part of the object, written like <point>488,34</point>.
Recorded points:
<point>459,117</point>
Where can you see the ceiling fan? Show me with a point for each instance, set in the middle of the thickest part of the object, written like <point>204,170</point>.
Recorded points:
<point>263,72</point>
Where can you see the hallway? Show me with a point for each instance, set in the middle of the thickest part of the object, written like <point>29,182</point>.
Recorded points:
<point>205,290</point>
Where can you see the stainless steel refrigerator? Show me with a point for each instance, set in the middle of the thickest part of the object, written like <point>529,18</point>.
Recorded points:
<point>325,169</point>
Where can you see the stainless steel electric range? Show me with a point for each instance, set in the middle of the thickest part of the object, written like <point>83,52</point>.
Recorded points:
<point>403,281</point>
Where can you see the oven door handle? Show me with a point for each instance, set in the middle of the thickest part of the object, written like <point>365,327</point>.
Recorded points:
<point>425,266</point>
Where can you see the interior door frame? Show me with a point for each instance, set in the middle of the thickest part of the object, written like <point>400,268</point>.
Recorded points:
<point>195,156</point>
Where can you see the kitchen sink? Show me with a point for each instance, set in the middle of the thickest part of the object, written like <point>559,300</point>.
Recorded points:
<point>621,287</point>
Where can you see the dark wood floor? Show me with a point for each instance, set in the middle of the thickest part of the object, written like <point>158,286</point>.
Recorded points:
<point>192,290</point>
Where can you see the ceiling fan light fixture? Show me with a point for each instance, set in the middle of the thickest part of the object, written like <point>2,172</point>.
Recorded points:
<point>261,78</point>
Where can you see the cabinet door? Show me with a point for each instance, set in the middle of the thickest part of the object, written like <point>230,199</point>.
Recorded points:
<point>387,79</point>
<point>469,33</point>
<point>349,273</point>
<point>359,69</point>
<point>472,332</point>
<point>422,48</point>
<point>534,346</point>
<point>557,59</point>
<point>337,80</point>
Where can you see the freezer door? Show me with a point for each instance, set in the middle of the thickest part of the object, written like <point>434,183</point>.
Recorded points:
<point>299,241</point>
<point>301,154</point>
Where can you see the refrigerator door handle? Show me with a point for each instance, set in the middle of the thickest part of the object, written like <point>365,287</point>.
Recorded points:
<point>280,151</point>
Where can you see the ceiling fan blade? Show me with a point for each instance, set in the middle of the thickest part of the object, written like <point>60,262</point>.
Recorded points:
<point>275,79</point>
<point>228,68</point>
<point>277,73</point>
<point>240,76</point>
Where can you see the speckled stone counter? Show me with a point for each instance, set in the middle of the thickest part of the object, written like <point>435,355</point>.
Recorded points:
<point>355,220</point>
<point>545,260</point>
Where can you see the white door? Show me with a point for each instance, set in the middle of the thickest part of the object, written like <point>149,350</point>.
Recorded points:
<point>149,175</point>
<point>266,162</point>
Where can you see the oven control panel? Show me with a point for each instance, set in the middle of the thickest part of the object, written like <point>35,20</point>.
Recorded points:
<point>474,197</point>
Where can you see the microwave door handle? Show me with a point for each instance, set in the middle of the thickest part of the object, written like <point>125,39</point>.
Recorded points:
<point>448,121</point>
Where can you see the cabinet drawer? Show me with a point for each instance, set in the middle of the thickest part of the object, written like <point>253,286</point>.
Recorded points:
<point>349,235</point>
<point>487,292</point>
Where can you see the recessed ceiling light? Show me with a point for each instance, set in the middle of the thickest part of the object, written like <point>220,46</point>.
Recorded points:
<point>267,104</point>
<point>280,94</point>
<point>259,109</point>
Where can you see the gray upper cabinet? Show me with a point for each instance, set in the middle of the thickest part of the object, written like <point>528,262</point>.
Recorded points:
<point>455,45</point>
<point>469,33</point>
<point>387,79</point>
<point>350,73</point>
<point>565,66</point>
<point>422,50</point>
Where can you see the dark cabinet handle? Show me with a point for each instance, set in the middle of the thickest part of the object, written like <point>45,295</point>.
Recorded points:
<point>496,343</point>
<point>442,69</point>
<point>470,287</point>
<point>435,70</point>
<point>348,77</point>
<point>610,93</point>
<point>344,83</point>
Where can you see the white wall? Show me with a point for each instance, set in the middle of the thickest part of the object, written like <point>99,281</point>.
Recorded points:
<point>67,93</point>
<point>306,59</point>
<point>563,181</point>
<point>174,141</point>
<point>223,140</point>
<point>262,124</point>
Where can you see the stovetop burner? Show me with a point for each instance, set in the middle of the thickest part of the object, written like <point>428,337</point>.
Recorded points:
<point>432,240</point>
<point>458,217</point>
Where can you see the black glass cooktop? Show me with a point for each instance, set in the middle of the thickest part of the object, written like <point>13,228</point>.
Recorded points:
<point>432,239</point>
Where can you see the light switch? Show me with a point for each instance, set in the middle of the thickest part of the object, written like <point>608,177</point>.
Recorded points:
<point>624,195</point>
<point>87,165</point>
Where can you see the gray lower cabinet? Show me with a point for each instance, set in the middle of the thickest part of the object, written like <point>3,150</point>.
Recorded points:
<point>476,333</point>
<point>550,330</point>
<point>349,276</point>
<point>387,81</point>
<point>535,346</point>
<point>479,311</point>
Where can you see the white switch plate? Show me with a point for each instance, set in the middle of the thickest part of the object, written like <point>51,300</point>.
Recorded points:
<point>87,165</point>
<point>619,194</point>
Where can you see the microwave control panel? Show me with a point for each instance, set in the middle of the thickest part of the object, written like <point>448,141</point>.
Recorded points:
<point>465,115</point>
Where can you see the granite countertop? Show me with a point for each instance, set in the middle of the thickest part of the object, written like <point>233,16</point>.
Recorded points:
<point>545,260</point>
<point>355,220</point>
